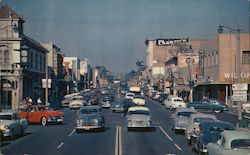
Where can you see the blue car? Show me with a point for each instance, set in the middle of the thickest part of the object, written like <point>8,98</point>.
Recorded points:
<point>209,132</point>
<point>209,104</point>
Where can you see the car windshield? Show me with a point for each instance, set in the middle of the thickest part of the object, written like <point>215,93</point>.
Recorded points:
<point>88,111</point>
<point>184,114</point>
<point>5,117</point>
<point>240,144</point>
<point>178,100</point>
<point>44,108</point>
<point>138,112</point>
<point>200,119</point>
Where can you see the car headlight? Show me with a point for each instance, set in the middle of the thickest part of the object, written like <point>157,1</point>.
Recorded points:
<point>96,121</point>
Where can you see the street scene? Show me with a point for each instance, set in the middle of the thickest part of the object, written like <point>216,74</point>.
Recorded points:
<point>124,77</point>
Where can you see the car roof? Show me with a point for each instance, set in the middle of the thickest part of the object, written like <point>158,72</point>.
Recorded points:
<point>190,109</point>
<point>215,123</point>
<point>138,108</point>
<point>202,115</point>
<point>239,134</point>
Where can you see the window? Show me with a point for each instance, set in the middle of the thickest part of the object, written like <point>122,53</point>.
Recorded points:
<point>4,55</point>
<point>31,59</point>
<point>36,61</point>
<point>245,57</point>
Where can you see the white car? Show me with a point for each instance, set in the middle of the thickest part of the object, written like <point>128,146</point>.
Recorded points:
<point>139,100</point>
<point>180,118</point>
<point>12,124</point>
<point>234,142</point>
<point>138,117</point>
<point>173,102</point>
<point>194,122</point>
<point>76,104</point>
<point>129,95</point>
<point>246,107</point>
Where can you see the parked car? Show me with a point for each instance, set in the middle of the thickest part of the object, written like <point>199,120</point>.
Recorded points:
<point>194,122</point>
<point>139,100</point>
<point>206,104</point>
<point>179,119</point>
<point>89,117</point>
<point>42,114</point>
<point>156,95</point>
<point>173,102</point>
<point>138,117</point>
<point>12,124</point>
<point>77,104</point>
<point>209,132</point>
<point>236,142</point>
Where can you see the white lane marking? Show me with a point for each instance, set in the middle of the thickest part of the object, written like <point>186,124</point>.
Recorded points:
<point>59,146</point>
<point>166,134</point>
<point>178,147</point>
<point>120,140</point>
<point>71,133</point>
<point>116,141</point>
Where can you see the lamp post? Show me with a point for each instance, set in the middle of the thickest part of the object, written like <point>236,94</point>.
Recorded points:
<point>220,30</point>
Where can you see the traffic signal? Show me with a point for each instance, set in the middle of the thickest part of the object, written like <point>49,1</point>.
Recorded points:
<point>24,56</point>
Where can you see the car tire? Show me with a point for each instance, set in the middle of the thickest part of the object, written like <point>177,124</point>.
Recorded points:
<point>22,131</point>
<point>78,130</point>
<point>43,121</point>
<point>12,135</point>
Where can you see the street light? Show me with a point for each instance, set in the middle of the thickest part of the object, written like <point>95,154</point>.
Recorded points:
<point>220,30</point>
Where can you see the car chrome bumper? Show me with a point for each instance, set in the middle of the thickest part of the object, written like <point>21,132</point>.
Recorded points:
<point>88,127</point>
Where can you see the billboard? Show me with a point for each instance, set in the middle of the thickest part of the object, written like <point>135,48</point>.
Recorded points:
<point>170,42</point>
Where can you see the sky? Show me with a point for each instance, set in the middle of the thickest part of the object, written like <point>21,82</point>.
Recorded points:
<point>112,33</point>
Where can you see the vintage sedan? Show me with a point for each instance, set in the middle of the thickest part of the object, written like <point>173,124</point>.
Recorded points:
<point>139,100</point>
<point>42,114</point>
<point>194,122</point>
<point>77,104</point>
<point>89,117</point>
<point>118,108</point>
<point>106,102</point>
<point>209,132</point>
<point>173,102</point>
<point>209,104</point>
<point>236,142</point>
<point>12,124</point>
<point>179,119</point>
<point>138,117</point>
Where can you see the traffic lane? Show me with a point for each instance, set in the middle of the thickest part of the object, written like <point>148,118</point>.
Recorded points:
<point>148,142</point>
<point>90,142</point>
<point>40,139</point>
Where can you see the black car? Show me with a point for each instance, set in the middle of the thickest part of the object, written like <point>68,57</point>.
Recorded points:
<point>209,132</point>
<point>162,97</point>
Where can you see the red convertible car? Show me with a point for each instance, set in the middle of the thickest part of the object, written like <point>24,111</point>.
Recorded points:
<point>41,114</point>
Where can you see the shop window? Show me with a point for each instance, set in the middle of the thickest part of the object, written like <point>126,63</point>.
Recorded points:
<point>246,57</point>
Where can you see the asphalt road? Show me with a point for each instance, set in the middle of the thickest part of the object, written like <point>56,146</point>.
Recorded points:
<point>113,140</point>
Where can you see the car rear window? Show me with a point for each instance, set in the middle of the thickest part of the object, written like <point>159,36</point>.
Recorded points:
<point>241,144</point>
<point>184,114</point>
<point>5,117</point>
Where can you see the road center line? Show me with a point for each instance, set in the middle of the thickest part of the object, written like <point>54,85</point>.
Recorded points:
<point>120,140</point>
<point>116,141</point>
<point>71,133</point>
<point>166,134</point>
<point>59,146</point>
